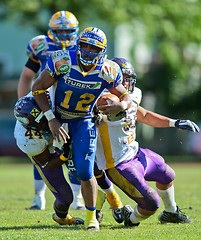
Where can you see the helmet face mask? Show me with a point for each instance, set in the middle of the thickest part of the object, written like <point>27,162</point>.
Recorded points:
<point>27,112</point>
<point>98,44</point>
<point>129,76</point>
<point>63,28</point>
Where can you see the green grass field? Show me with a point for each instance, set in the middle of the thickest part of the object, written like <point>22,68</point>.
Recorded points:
<point>16,194</point>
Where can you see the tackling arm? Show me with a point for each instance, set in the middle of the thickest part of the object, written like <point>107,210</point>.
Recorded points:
<point>151,118</point>
<point>157,120</point>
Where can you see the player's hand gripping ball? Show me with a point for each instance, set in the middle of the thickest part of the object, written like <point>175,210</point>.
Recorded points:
<point>106,99</point>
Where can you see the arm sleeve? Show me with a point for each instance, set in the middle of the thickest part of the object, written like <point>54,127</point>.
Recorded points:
<point>34,66</point>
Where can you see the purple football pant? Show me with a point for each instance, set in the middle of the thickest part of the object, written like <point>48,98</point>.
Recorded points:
<point>57,183</point>
<point>131,177</point>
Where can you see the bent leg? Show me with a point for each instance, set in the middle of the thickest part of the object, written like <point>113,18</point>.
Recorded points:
<point>129,177</point>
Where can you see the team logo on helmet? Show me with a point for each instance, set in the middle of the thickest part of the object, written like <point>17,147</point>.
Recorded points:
<point>30,115</point>
<point>23,120</point>
<point>34,112</point>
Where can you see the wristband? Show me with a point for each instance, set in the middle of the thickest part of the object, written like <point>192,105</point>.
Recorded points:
<point>124,104</point>
<point>64,159</point>
<point>123,95</point>
<point>49,115</point>
<point>38,92</point>
<point>172,122</point>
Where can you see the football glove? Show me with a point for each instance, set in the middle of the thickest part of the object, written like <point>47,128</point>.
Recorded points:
<point>116,117</point>
<point>185,125</point>
<point>67,149</point>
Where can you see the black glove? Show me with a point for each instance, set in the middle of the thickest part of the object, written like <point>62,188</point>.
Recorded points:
<point>116,117</point>
<point>68,149</point>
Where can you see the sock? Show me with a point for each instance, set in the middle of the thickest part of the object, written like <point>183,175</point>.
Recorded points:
<point>76,190</point>
<point>103,181</point>
<point>40,187</point>
<point>77,196</point>
<point>109,190</point>
<point>168,199</point>
<point>136,217</point>
<point>90,218</point>
<point>61,213</point>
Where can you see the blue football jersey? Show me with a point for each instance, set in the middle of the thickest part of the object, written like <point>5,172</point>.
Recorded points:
<point>77,90</point>
<point>41,47</point>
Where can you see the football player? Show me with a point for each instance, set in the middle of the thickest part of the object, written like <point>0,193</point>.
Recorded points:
<point>34,138</point>
<point>130,167</point>
<point>80,77</point>
<point>62,34</point>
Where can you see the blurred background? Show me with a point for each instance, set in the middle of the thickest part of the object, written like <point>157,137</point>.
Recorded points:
<point>162,39</point>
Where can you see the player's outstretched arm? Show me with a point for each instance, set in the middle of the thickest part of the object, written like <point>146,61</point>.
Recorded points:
<point>156,120</point>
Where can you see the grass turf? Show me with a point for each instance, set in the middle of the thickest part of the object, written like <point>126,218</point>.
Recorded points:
<point>16,194</point>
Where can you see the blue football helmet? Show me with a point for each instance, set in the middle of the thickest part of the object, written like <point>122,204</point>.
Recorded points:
<point>93,36</point>
<point>129,76</point>
<point>63,20</point>
<point>27,112</point>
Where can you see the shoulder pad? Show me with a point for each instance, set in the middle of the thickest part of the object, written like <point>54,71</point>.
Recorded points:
<point>136,96</point>
<point>37,44</point>
<point>109,70</point>
<point>62,61</point>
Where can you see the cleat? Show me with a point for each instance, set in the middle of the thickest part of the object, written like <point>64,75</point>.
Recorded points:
<point>92,229</point>
<point>38,203</point>
<point>34,208</point>
<point>99,215</point>
<point>118,215</point>
<point>78,207</point>
<point>78,204</point>
<point>67,221</point>
<point>92,225</point>
<point>114,200</point>
<point>127,210</point>
<point>177,217</point>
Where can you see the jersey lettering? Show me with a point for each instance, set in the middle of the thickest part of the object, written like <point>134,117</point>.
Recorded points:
<point>31,134</point>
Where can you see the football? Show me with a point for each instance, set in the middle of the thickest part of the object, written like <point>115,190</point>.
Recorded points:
<point>103,100</point>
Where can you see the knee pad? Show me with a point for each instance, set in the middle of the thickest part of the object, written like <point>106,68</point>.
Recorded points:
<point>168,176</point>
<point>150,201</point>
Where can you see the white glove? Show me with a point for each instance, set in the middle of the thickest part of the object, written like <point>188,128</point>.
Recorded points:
<point>184,125</point>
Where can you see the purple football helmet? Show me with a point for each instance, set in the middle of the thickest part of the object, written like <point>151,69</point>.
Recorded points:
<point>27,112</point>
<point>128,70</point>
